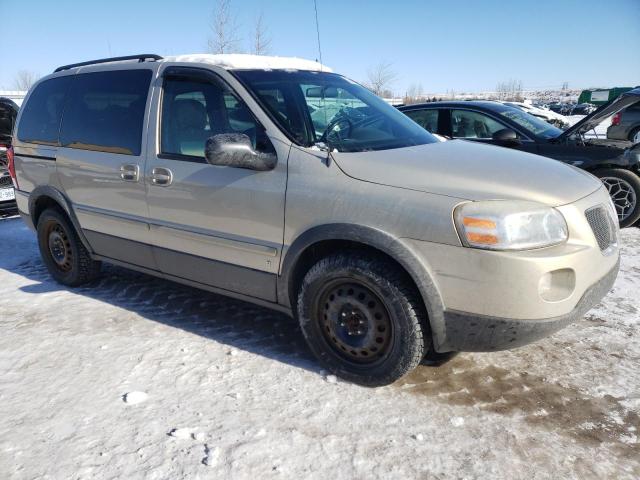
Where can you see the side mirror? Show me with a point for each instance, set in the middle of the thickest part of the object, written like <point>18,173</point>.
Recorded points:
<point>235,150</point>
<point>506,136</point>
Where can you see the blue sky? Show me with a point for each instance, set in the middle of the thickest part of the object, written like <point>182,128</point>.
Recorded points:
<point>443,45</point>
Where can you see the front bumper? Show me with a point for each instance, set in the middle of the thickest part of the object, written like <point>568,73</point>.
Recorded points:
<point>491,300</point>
<point>468,332</point>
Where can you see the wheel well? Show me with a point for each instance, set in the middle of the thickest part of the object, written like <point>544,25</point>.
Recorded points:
<point>313,253</point>
<point>41,204</point>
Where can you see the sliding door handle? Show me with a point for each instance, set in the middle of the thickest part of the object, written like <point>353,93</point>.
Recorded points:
<point>161,176</point>
<point>130,173</point>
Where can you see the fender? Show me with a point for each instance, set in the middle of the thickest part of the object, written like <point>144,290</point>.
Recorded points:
<point>61,199</point>
<point>379,240</point>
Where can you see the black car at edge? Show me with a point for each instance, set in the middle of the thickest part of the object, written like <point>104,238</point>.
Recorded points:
<point>615,162</point>
<point>8,112</point>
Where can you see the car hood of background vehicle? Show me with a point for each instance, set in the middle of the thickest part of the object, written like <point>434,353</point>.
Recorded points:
<point>471,171</point>
<point>592,120</point>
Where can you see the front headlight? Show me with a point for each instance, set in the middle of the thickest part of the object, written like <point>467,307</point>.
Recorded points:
<point>509,225</point>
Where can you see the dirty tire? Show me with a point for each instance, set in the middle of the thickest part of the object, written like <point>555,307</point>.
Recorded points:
<point>64,255</point>
<point>629,181</point>
<point>382,298</point>
<point>633,135</point>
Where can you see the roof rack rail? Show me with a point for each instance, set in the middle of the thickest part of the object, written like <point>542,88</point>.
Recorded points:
<point>140,58</point>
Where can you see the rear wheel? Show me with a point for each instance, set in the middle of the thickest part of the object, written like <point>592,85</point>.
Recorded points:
<point>634,136</point>
<point>363,318</point>
<point>624,189</point>
<point>64,255</point>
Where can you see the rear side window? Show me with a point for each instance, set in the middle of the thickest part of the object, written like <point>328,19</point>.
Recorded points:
<point>427,119</point>
<point>40,120</point>
<point>105,111</point>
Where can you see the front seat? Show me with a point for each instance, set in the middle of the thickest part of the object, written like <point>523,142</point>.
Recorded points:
<point>189,127</point>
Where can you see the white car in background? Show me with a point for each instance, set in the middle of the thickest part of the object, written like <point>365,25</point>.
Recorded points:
<point>549,116</point>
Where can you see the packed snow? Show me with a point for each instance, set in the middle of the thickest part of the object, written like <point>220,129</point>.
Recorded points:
<point>565,407</point>
<point>236,61</point>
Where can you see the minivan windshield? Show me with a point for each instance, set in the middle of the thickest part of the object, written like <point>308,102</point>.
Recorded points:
<point>324,108</point>
<point>533,124</point>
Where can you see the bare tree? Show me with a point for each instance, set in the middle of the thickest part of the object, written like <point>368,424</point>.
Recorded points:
<point>224,28</point>
<point>510,91</point>
<point>380,78</point>
<point>414,94</point>
<point>261,38</point>
<point>24,79</point>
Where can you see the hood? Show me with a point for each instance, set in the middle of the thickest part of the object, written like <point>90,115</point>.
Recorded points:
<point>594,119</point>
<point>471,171</point>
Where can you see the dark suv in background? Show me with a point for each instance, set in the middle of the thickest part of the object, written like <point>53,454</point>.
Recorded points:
<point>8,113</point>
<point>615,162</point>
<point>625,125</point>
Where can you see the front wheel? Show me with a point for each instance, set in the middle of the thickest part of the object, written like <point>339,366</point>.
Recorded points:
<point>624,189</point>
<point>363,318</point>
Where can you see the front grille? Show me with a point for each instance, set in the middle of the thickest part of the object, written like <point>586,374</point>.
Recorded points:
<point>5,181</point>
<point>602,226</point>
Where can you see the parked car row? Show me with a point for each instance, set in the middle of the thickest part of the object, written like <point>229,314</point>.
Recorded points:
<point>572,108</point>
<point>615,162</point>
<point>545,114</point>
<point>276,181</point>
<point>625,125</point>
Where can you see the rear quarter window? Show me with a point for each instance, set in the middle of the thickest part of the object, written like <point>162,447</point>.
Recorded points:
<point>105,111</point>
<point>40,120</point>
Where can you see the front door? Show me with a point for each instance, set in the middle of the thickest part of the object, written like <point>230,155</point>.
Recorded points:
<point>215,225</point>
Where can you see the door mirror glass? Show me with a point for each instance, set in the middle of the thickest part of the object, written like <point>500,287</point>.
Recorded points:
<point>236,150</point>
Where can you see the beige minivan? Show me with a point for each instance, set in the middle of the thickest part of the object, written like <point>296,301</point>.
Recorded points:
<point>279,182</point>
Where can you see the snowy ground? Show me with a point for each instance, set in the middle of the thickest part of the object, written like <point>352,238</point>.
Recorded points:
<point>232,391</point>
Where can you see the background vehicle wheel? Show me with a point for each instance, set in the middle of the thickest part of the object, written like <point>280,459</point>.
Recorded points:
<point>66,258</point>
<point>362,318</point>
<point>624,188</point>
<point>634,135</point>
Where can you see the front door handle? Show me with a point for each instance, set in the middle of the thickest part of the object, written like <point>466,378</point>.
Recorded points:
<point>161,176</point>
<point>130,173</point>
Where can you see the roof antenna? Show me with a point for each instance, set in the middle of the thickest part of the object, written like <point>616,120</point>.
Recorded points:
<point>315,5</point>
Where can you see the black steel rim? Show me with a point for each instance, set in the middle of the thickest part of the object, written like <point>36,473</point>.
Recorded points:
<point>354,321</point>
<point>623,196</point>
<point>60,247</point>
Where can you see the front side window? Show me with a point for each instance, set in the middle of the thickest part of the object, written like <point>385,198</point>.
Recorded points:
<point>427,119</point>
<point>105,111</point>
<point>195,109</point>
<point>40,120</point>
<point>468,124</point>
<point>320,107</point>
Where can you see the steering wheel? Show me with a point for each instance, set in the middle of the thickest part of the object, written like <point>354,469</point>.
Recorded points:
<point>346,127</point>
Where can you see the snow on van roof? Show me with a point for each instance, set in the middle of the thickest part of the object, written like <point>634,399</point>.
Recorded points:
<point>237,61</point>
